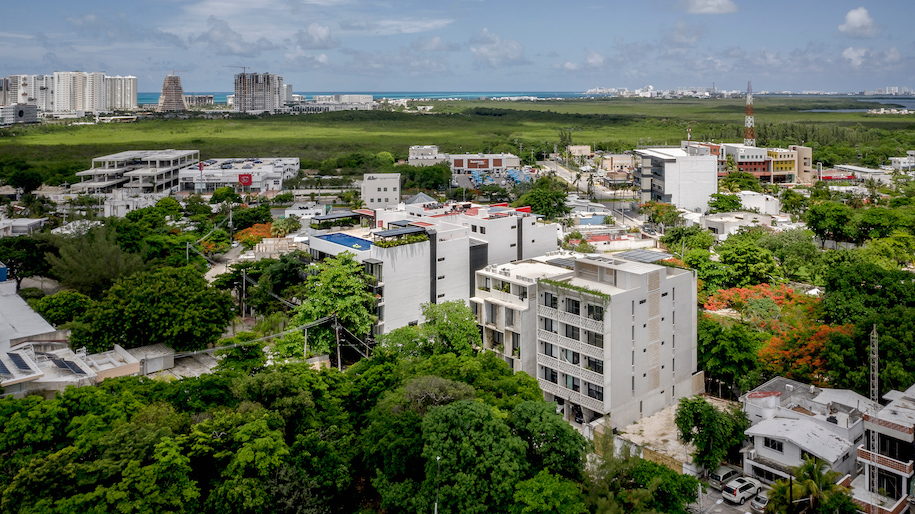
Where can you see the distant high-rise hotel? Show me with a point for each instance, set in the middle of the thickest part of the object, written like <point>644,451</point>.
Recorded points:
<point>172,97</point>
<point>121,92</point>
<point>257,92</point>
<point>80,91</point>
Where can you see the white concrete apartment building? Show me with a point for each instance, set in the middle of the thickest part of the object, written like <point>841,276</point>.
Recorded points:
<point>461,240</point>
<point>380,190</point>
<point>684,177</point>
<point>37,90</point>
<point>80,91</point>
<point>509,234</point>
<point>121,92</point>
<point>894,457</point>
<point>143,171</point>
<point>605,337</point>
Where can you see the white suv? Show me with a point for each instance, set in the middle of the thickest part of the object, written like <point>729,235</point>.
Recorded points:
<point>740,490</point>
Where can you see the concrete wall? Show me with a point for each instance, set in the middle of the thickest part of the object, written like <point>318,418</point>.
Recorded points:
<point>406,271</point>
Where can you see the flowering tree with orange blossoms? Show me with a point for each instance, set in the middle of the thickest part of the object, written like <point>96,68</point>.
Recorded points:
<point>254,234</point>
<point>737,297</point>
<point>800,353</point>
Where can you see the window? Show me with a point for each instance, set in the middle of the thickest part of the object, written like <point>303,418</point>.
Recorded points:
<point>497,338</point>
<point>509,316</point>
<point>573,332</point>
<point>473,228</point>
<point>596,312</point>
<point>642,301</point>
<point>569,356</point>
<point>550,350</point>
<point>385,190</point>
<point>512,245</point>
<point>550,300</point>
<point>379,190</point>
<point>482,230</point>
<point>516,345</point>
<point>573,306</point>
<point>774,444</point>
<point>441,295</point>
<point>595,391</point>
<point>385,199</point>
<point>663,295</point>
<point>550,375</point>
<point>440,259</point>
<point>573,383</point>
<point>441,277</point>
<point>595,365</point>
<point>594,339</point>
<point>550,325</point>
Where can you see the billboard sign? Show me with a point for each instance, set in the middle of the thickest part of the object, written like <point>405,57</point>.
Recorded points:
<point>245,179</point>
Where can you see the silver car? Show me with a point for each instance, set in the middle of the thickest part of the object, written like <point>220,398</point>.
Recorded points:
<point>759,502</point>
<point>740,490</point>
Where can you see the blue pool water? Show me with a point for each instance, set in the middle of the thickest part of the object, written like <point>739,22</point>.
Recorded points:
<point>356,243</point>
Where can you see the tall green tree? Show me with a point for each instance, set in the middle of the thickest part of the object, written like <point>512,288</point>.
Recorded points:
<point>337,287</point>
<point>713,432</point>
<point>27,256</point>
<point>547,198</point>
<point>728,352</point>
<point>472,459</point>
<point>814,488</point>
<point>724,203</point>
<point>62,307</point>
<point>752,265</point>
<point>548,494</point>
<point>91,263</point>
<point>171,306</point>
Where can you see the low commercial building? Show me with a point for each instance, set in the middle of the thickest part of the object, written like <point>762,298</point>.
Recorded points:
<point>251,175</point>
<point>684,177</point>
<point>606,337</point>
<point>145,171</point>
<point>380,190</point>
<point>18,114</point>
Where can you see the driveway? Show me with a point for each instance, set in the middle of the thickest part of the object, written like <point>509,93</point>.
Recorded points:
<point>713,503</point>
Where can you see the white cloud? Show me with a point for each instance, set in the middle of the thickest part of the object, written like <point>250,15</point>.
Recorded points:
<point>302,60</point>
<point>491,51</point>
<point>710,6</point>
<point>315,37</point>
<point>683,34</point>
<point>223,40</point>
<point>434,44</point>
<point>855,56</point>
<point>892,55</point>
<point>79,21</point>
<point>595,60</point>
<point>858,23</point>
<point>390,27</point>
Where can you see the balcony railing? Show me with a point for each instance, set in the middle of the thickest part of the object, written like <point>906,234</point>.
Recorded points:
<point>887,463</point>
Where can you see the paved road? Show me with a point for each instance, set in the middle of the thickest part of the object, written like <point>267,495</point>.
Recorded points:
<point>714,504</point>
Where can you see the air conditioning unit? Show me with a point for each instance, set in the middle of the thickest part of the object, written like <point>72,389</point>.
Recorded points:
<point>751,454</point>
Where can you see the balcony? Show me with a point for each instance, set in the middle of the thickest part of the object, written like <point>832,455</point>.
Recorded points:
<point>545,335</point>
<point>886,463</point>
<point>547,312</point>
<point>865,499</point>
<point>580,321</point>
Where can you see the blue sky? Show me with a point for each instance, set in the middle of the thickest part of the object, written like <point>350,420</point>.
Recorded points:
<point>472,45</point>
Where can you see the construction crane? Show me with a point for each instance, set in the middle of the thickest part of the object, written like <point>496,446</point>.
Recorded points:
<point>244,81</point>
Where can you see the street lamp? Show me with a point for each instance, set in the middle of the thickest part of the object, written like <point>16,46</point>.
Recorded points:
<point>438,469</point>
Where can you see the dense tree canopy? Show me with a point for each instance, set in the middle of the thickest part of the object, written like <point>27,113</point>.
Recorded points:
<point>172,306</point>
<point>27,256</point>
<point>547,198</point>
<point>92,263</point>
<point>715,433</point>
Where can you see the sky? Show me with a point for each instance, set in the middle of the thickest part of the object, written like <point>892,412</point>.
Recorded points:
<point>471,45</point>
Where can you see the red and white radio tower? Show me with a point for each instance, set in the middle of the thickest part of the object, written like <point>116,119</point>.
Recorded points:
<point>749,130</point>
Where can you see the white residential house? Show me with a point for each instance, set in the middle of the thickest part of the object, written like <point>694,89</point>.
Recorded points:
<point>605,337</point>
<point>791,421</point>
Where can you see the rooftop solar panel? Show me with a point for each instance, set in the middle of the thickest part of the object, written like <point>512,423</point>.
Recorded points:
<point>647,256</point>
<point>60,363</point>
<point>74,368</point>
<point>562,263</point>
<point>4,371</point>
<point>19,362</point>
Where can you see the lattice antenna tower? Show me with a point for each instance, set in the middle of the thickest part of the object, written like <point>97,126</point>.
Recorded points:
<point>749,128</point>
<point>875,396</point>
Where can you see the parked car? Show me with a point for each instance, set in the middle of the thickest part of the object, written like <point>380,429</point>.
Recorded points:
<point>740,490</point>
<point>721,476</point>
<point>759,502</point>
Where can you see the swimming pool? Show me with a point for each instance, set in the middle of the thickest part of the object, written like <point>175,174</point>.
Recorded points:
<point>356,243</point>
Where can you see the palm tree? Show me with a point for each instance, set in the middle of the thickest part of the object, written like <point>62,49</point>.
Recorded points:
<point>577,180</point>
<point>814,482</point>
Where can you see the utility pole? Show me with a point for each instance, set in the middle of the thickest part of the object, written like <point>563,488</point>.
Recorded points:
<point>875,397</point>
<point>337,333</point>
<point>438,470</point>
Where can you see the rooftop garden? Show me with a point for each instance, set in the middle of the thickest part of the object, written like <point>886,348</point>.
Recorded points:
<point>405,240</point>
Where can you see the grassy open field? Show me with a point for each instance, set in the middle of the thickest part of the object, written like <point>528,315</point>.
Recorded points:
<point>458,126</point>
